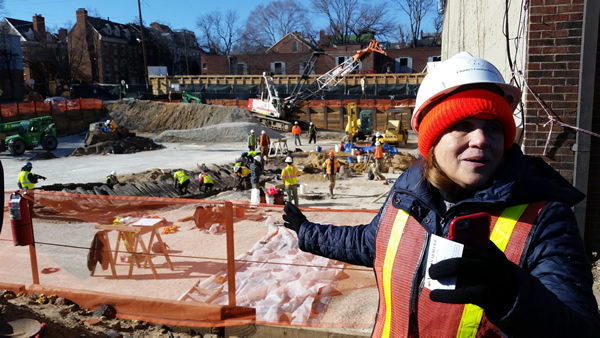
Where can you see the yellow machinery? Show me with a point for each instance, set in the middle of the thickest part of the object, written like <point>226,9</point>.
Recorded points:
<point>358,128</point>
<point>396,132</point>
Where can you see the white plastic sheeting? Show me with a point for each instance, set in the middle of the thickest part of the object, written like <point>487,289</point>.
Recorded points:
<point>277,279</point>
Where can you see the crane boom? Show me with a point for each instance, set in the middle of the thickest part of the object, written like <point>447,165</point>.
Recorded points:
<point>270,108</point>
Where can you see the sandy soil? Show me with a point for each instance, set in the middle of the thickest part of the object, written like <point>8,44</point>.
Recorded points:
<point>198,124</point>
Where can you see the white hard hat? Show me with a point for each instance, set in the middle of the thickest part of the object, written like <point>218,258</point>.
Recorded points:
<point>114,173</point>
<point>257,158</point>
<point>288,160</point>
<point>460,70</point>
<point>378,143</point>
<point>377,134</point>
<point>296,122</point>
<point>311,123</point>
<point>263,132</point>
<point>252,131</point>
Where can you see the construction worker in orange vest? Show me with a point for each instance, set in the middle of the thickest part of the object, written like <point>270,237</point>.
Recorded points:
<point>520,268</point>
<point>378,156</point>
<point>290,174</point>
<point>296,131</point>
<point>330,168</point>
<point>264,142</point>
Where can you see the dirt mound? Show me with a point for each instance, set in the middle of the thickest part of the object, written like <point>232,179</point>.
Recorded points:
<point>44,156</point>
<point>127,145</point>
<point>156,117</point>
<point>225,132</point>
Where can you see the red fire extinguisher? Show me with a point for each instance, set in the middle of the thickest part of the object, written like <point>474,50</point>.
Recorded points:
<point>20,219</point>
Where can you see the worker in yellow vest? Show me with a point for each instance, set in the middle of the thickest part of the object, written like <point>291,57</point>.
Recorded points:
<point>243,176</point>
<point>206,183</point>
<point>27,179</point>
<point>182,180</point>
<point>290,175</point>
<point>520,268</point>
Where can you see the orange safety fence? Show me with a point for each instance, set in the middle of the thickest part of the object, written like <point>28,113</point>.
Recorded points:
<point>48,108</point>
<point>174,261</point>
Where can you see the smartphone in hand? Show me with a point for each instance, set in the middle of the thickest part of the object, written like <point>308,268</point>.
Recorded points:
<point>471,230</point>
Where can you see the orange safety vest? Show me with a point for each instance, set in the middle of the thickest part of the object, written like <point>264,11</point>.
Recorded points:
<point>378,152</point>
<point>263,140</point>
<point>296,130</point>
<point>289,174</point>
<point>327,165</point>
<point>404,308</point>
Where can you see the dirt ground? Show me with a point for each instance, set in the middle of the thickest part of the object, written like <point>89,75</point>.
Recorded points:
<point>65,319</point>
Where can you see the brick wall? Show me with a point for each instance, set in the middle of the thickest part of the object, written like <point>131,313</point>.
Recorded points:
<point>554,50</point>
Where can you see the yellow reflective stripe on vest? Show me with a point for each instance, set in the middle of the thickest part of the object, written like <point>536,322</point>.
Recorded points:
<point>472,314</point>
<point>390,255</point>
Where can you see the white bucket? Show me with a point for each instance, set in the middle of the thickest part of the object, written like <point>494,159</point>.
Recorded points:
<point>353,152</point>
<point>302,189</point>
<point>359,158</point>
<point>269,199</point>
<point>255,196</point>
<point>337,148</point>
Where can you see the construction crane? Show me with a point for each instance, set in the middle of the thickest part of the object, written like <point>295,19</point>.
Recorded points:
<point>279,113</point>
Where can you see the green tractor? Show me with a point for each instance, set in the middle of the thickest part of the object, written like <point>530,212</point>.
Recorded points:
<point>19,136</point>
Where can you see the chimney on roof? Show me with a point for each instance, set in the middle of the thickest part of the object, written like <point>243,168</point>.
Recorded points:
<point>39,24</point>
<point>81,16</point>
<point>62,35</point>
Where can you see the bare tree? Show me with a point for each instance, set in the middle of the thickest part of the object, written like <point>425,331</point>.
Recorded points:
<point>438,24</point>
<point>347,17</point>
<point>268,24</point>
<point>218,32</point>
<point>416,11</point>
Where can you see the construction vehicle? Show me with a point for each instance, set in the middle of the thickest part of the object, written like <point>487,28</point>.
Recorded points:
<point>280,113</point>
<point>396,131</point>
<point>189,98</point>
<point>19,136</point>
<point>358,128</point>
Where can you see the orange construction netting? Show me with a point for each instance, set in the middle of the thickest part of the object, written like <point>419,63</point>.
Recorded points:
<point>49,108</point>
<point>175,261</point>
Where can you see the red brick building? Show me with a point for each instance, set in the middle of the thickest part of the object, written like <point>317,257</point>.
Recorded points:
<point>105,51</point>
<point>291,54</point>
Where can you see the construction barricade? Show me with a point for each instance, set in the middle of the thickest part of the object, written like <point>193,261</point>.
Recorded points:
<point>177,261</point>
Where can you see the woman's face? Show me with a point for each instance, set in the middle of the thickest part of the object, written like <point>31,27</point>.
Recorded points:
<point>470,151</point>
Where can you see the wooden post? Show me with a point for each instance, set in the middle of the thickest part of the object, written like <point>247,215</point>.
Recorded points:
<point>325,118</point>
<point>34,266</point>
<point>341,114</point>
<point>230,253</point>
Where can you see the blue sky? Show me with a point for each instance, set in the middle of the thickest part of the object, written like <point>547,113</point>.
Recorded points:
<point>177,14</point>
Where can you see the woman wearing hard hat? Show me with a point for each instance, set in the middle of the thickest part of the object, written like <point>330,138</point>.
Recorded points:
<point>523,270</point>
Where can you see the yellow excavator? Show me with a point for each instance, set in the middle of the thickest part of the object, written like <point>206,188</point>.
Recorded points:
<point>361,127</point>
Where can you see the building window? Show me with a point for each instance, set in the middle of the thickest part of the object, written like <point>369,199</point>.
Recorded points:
<point>339,60</point>
<point>123,50</point>
<point>114,47</point>
<point>434,58</point>
<point>242,68</point>
<point>204,66</point>
<point>303,65</point>
<point>295,47</point>
<point>404,65</point>
<point>278,68</point>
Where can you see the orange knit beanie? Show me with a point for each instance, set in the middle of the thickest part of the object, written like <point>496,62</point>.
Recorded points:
<point>479,103</point>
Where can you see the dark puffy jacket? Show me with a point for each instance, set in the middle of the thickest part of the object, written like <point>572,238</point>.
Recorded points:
<point>555,296</point>
<point>256,170</point>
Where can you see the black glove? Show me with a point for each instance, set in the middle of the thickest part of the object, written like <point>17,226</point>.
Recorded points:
<point>293,217</point>
<point>484,278</point>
